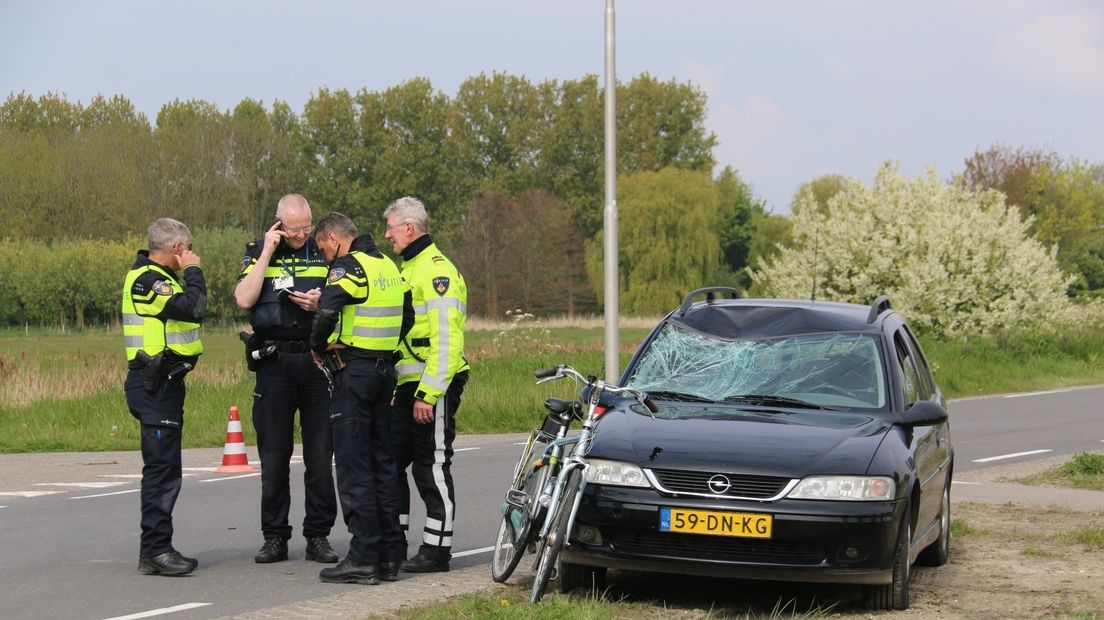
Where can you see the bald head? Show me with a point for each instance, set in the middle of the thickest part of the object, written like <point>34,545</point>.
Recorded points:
<point>295,213</point>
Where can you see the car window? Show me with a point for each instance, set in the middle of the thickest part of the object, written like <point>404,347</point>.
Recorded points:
<point>913,386</point>
<point>922,368</point>
<point>837,370</point>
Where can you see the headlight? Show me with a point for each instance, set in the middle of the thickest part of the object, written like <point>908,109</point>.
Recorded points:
<point>616,473</point>
<point>852,488</point>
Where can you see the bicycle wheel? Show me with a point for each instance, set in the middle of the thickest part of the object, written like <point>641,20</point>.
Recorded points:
<point>557,536</point>
<point>515,531</point>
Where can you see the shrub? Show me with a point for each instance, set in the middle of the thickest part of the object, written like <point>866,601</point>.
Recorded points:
<point>956,261</point>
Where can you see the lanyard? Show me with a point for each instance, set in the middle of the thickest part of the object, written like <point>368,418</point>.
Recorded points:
<point>306,260</point>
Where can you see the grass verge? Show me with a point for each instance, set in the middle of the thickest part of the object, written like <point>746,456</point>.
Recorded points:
<point>1083,471</point>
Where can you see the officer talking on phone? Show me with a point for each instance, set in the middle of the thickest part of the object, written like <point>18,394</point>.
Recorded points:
<point>280,284</point>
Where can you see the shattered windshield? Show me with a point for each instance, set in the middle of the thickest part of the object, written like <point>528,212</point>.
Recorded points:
<point>835,370</point>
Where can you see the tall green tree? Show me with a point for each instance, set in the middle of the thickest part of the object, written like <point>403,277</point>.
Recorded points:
<point>668,222</point>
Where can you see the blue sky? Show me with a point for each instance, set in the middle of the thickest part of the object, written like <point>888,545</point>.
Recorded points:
<point>795,89</point>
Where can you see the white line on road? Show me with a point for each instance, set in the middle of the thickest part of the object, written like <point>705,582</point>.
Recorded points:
<point>83,485</point>
<point>1010,456</point>
<point>1033,393</point>
<point>120,475</point>
<point>198,468</point>
<point>26,493</point>
<point>466,449</point>
<point>472,552</point>
<point>106,494</point>
<point>161,611</point>
<point>231,477</point>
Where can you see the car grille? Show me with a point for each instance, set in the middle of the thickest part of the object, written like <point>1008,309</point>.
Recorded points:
<point>716,548</point>
<point>753,487</point>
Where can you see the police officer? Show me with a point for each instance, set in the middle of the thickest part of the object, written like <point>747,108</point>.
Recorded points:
<point>161,317</point>
<point>432,373</point>
<point>364,293</point>
<point>280,284</point>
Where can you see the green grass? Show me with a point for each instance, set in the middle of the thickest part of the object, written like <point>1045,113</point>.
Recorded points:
<point>63,391</point>
<point>1018,362</point>
<point>511,602</point>
<point>1083,471</point>
<point>961,529</point>
<point>1089,536</point>
<point>1032,551</point>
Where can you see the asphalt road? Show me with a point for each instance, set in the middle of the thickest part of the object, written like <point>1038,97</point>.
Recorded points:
<point>69,522</point>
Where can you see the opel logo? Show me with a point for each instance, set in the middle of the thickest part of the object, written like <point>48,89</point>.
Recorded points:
<point>719,484</point>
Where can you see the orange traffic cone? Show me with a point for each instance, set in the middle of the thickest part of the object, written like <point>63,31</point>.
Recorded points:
<point>234,460</point>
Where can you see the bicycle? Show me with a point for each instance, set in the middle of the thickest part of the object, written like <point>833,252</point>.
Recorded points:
<point>525,505</point>
<point>569,483</point>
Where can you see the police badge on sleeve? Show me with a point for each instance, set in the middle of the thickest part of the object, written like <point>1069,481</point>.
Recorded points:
<point>441,284</point>
<point>162,287</point>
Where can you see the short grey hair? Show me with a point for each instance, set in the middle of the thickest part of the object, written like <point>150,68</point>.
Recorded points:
<point>164,233</point>
<point>338,224</point>
<point>409,209</point>
<point>289,201</point>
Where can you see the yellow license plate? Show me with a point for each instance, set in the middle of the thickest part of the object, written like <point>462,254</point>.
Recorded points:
<point>715,523</point>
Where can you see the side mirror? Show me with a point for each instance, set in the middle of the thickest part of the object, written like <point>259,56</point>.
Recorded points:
<point>923,413</point>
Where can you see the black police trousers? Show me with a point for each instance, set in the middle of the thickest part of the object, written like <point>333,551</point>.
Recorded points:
<point>367,480</point>
<point>161,414</point>
<point>427,450</point>
<point>285,383</point>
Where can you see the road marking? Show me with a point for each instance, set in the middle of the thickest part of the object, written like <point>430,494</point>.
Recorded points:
<point>1034,393</point>
<point>106,494</point>
<point>83,485</point>
<point>198,468</point>
<point>159,612</point>
<point>466,449</point>
<point>120,475</point>
<point>472,552</point>
<point>231,477</point>
<point>1010,456</point>
<point>26,493</point>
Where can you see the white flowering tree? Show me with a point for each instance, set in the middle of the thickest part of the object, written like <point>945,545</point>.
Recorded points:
<point>954,261</point>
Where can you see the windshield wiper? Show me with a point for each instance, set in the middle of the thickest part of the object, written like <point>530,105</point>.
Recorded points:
<point>683,396</point>
<point>772,399</point>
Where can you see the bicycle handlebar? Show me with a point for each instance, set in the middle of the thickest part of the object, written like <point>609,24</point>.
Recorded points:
<point>563,370</point>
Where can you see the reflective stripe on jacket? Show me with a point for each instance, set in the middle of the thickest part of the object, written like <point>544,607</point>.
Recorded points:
<point>143,327</point>
<point>433,351</point>
<point>374,323</point>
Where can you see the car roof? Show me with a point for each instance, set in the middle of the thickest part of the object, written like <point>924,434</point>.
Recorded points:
<point>761,318</point>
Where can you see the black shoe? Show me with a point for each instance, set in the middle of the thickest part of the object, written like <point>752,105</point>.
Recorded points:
<point>348,572</point>
<point>194,562</point>
<point>319,550</point>
<point>273,550</point>
<point>170,564</point>
<point>422,564</point>
<point>389,571</point>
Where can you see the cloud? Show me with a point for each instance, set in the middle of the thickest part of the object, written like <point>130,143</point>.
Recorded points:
<point>1063,50</point>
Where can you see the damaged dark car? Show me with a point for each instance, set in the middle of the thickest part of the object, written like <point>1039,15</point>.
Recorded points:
<point>795,441</point>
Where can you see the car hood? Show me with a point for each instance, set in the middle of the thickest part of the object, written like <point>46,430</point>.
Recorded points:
<point>771,442</point>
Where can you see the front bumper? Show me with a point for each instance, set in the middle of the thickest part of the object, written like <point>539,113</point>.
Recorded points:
<point>811,541</point>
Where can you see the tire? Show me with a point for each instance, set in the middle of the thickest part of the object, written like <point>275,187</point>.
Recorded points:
<point>557,536</point>
<point>573,576</point>
<point>937,553</point>
<point>517,527</point>
<point>894,595</point>
<point>511,542</point>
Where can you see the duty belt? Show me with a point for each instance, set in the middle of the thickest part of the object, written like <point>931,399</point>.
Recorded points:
<point>291,346</point>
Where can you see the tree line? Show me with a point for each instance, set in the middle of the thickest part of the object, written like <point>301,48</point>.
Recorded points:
<point>511,171</point>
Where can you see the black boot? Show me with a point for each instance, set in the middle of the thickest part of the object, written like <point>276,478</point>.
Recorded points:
<point>349,572</point>
<point>194,562</point>
<point>319,550</point>
<point>422,564</point>
<point>273,550</point>
<point>170,564</point>
<point>389,571</point>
